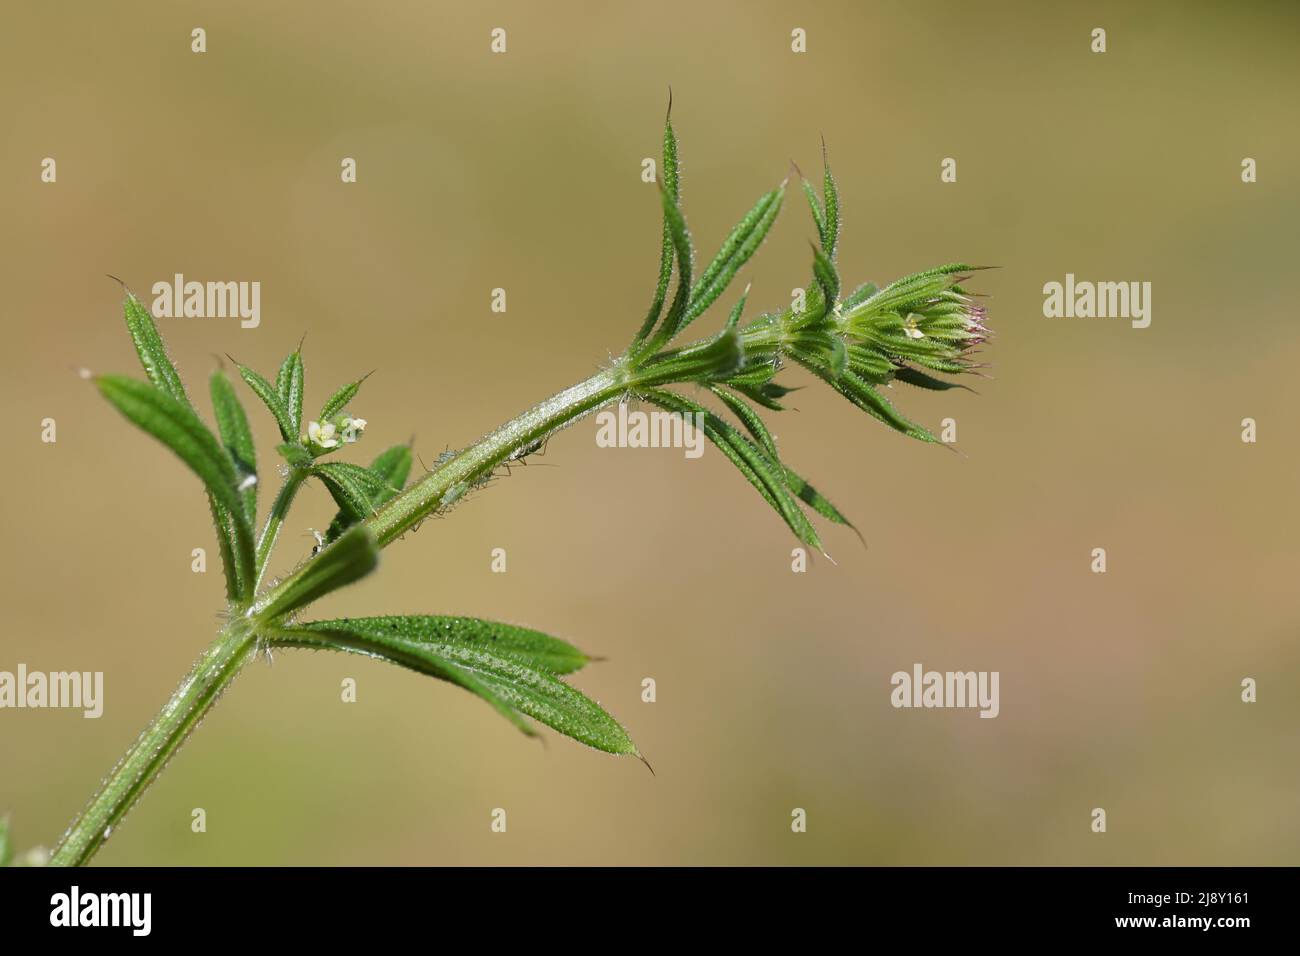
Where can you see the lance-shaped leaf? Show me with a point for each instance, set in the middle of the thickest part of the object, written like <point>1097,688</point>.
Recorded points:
<point>289,388</point>
<point>513,669</point>
<point>391,469</point>
<point>271,399</point>
<point>671,187</point>
<point>354,555</point>
<point>801,489</point>
<point>859,295</point>
<point>177,427</point>
<point>750,419</point>
<point>831,224</point>
<point>339,400</point>
<point>819,217</point>
<point>767,394</point>
<point>918,378</point>
<point>232,426</point>
<point>863,395</point>
<point>162,373</point>
<point>821,303</point>
<point>920,287</point>
<point>683,254</point>
<point>739,247</point>
<point>828,279</point>
<point>355,489</point>
<point>6,844</point>
<point>226,537</point>
<point>815,500</point>
<point>759,470</point>
<point>153,354</point>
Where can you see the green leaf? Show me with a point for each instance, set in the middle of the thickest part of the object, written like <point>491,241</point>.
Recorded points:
<point>739,247</point>
<point>339,400</point>
<point>918,378</point>
<point>162,373</point>
<point>354,488</point>
<point>393,467</point>
<point>737,310</point>
<point>354,555</point>
<point>391,470</point>
<point>671,187</point>
<point>271,399</point>
<point>153,354</point>
<point>831,229</point>
<point>177,427</point>
<point>801,489</point>
<point>6,845</point>
<point>859,295</point>
<point>683,253</point>
<point>864,396</point>
<point>815,499</point>
<point>289,387</point>
<point>232,426</point>
<point>828,280</point>
<point>226,545</point>
<point>513,669</point>
<point>756,467</point>
<point>819,217</point>
<point>750,419</point>
<point>756,384</point>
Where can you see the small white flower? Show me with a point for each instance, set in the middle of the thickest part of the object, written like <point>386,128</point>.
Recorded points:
<point>352,429</point>
<point>322,435</point>
<point>910,329</point>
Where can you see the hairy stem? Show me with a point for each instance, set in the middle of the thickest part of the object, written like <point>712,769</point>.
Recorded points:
<point>141,765</point>
<point>275,520</point>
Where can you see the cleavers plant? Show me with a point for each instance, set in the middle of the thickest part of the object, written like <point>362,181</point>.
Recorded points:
<point>909,331</point>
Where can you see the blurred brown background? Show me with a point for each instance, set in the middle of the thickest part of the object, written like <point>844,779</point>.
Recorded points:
<point>522,171</point>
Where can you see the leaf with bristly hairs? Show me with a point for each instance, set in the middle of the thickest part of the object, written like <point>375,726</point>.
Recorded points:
<point>683,253</point>
<point>390,471</point>
<point>270,397</point>
<point>354,488</point>
<point>232,426</point>
<point>513,668</point>
<point>745,238</point>
<point>831,224</point>
<point>801,489</point>
<point>162,373</point>
<point>862,395</point>
<point>289,387</point>
<point>672,189</point>
<point>918,378</point>
<point>179,428</point>
<point>339,400</point>
<point>153,354</point>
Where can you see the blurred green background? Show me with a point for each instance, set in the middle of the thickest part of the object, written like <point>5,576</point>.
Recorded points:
<point>521,171</point>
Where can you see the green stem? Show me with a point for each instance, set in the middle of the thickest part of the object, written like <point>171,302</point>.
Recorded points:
<point>442,485</point>
<point>274,521</point>
<point>133,774</point>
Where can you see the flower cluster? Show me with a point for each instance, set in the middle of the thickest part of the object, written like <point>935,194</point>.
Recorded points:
<point>343,430</point>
